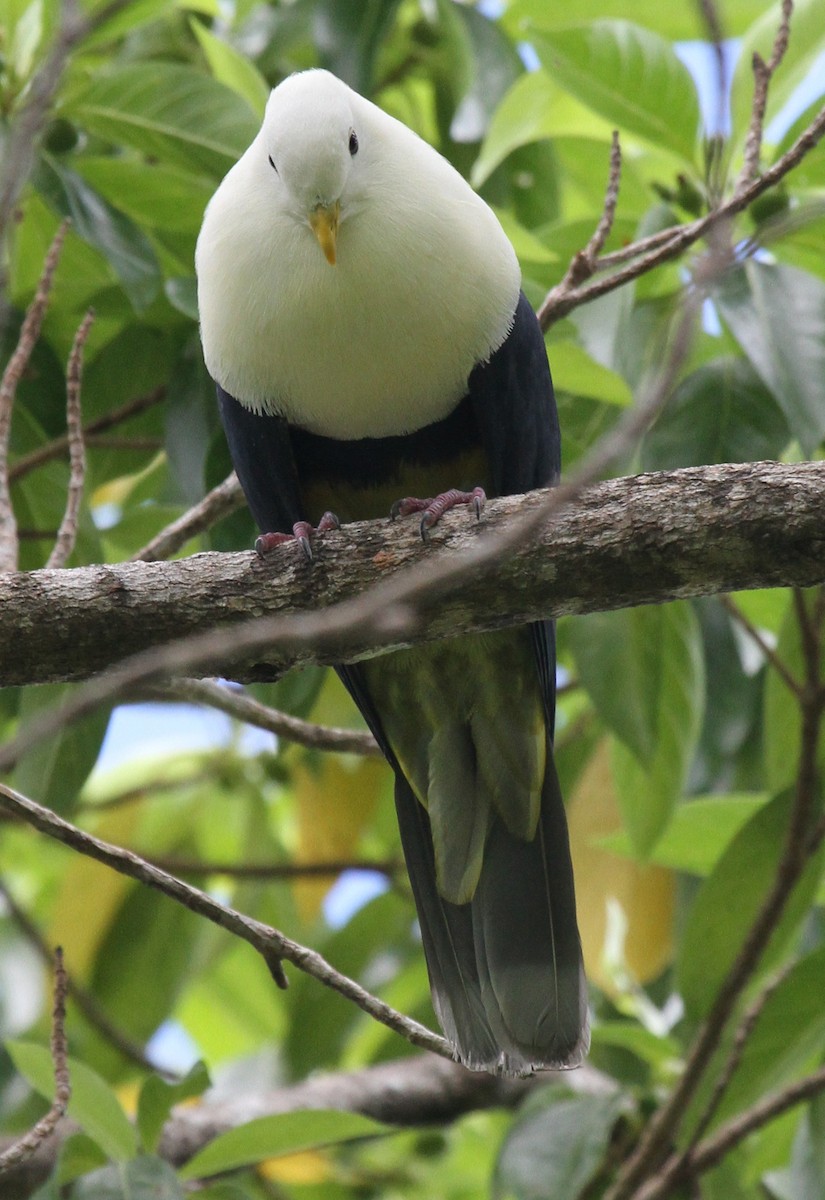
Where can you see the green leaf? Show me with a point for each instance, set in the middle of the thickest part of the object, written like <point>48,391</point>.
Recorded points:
<point>729,900</point>
<point>152,194</point>
<point>271,1137</point>
<point>777,314</point>
<point>720,413</point>
<point>56,769</point>
<point>680,22</point>
<point>494,66</point>
<point>231,68</point>
<point>385,921</point>
<point>134,975</point>
<point>557,1147</point>
<point>177,114</point>
<point>79,1155</point>
<point>802,1180</point>
<point>576,372</point>
<point>350,38</point>
<point>122,243</point>
<point>810,172</point>
<point>782,725</point>
<point>514,123</point>
<point>25,28</point>
<point>648,790</point>
<point>157,1098</point>
<point>123,20</point>
<point>651,1048</point>
<point>788,1039</point>
<point>628,75</point>
<point>643,669</point>
<point>807,41</point>
<point>698,833</point>
<point>144,1178</point>
<point>93,1104</point>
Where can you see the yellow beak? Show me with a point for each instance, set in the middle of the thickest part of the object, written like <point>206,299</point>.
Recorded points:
<point>324,222</point>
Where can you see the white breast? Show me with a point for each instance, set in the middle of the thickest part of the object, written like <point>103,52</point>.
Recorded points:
<point>425,287</point>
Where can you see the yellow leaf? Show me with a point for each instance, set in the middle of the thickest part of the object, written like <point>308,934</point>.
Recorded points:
<point>644,892</point>
<point>335,797</point>
<point>90,895</point>
<point>308,1166</point>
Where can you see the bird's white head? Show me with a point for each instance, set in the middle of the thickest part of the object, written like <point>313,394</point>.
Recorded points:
<point>311,141</point>
<point>423,286</point>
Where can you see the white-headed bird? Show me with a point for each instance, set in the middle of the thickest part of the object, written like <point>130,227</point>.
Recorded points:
<point>362,316</point>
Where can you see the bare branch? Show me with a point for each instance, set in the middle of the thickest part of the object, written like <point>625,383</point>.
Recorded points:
<point>709,1153</point>
<point>793,685</point>
<point>743,1033</point>
<point>67,533</point>
<point>29,333</point>
<point>762,75</point>
<point>220,502</point>
<point>583,264</point>
<point>294,870</point>
<point>245,708</point>
<point>31,1142</point>
<point>662,249</point>
<point>26,128</point>
<point>84,1000</point>
<point>272,945</point>
<point>58,446</point>
<point>656,1140</point>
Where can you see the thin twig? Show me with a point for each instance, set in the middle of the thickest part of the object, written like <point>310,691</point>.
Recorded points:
<point>25,130</point>
<point>716,36</point>
<point>742,1036</point>
<point>45,1127</point>
<point>583,263</point>
<point>665,249</point>
<point>67,533</point>
<point>220,502</point>
<point>309,870</point>
<point>272,945</point>
<point>799,846</point>
<point>245,708</point>
<point>712,1150</point>
<point>765,648</point>
<point>29,333</point>
<point>103,441</point>
<point>59,445</point>
<point>84,1000</point>
<point>762,75</point>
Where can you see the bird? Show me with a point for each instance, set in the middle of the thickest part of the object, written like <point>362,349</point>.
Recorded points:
<point>362,316</point>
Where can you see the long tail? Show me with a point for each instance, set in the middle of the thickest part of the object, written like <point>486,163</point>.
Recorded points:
<point>505,969</point>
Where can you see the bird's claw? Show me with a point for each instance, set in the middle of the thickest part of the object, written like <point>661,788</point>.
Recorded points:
<point>433,508</point>
<point>302,531</point>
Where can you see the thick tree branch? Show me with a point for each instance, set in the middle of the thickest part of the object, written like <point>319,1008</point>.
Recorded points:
<point>421,1090</point>
<point>635,540</point>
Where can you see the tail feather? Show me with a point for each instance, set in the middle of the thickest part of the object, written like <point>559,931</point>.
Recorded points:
<point>447,934</point>
<point>527,947</point>
<point>505,969</point>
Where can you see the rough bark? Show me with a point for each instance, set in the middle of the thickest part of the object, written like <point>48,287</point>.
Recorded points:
<point>635,540</point>
<point>420,1090</point>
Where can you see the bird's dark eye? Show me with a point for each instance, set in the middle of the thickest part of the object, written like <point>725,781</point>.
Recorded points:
<point>272,164</point>
<point>353,143</point>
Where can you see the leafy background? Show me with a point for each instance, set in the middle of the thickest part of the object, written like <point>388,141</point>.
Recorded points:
<point>676,745</point>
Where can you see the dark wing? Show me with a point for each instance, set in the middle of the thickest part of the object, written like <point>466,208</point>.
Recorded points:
<point>261,451</point>
<point>515,408</point>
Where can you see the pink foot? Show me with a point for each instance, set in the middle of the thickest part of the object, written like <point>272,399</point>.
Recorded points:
<point>435,507</point>
<point>302,531</point>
